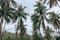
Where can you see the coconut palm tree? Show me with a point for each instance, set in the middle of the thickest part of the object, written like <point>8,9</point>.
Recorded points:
<point>36,27</point>
<point>21,17</point>
<point>6,13</point>
<point>41,12</point>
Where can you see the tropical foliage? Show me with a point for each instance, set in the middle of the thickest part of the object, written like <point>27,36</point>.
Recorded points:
<point>42,18</point>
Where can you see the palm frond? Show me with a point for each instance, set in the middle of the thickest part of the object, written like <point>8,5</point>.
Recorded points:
<point>44,2</point>
<point>54,19</point>
<point>14,3</point>
<point>7,19</point>
<point>48,21</point>
<point>53,3</point>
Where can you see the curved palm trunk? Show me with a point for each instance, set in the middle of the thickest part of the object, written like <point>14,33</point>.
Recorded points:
<point>40,35</point>
<point>47,34</point>
<point>0,28</point>
<point>3,32</point>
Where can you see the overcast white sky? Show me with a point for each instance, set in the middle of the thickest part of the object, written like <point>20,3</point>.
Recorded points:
<point>30,9</point>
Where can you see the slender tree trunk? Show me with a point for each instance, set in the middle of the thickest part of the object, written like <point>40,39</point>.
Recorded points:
<point>0,28</point>
<point>47,34</point>
<point>40,35</point>
<point>16,35</point>
<point>3,32</point>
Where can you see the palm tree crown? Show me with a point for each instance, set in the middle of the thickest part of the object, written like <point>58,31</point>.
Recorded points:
<point>54,19</point>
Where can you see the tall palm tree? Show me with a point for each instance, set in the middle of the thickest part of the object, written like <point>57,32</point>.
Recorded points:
<point>41,12</point>
<point>6,13</point>
<point>36,27</point>
<point>21,17</point>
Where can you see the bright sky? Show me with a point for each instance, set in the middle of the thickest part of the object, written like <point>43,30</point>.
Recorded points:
<point>30,9</point>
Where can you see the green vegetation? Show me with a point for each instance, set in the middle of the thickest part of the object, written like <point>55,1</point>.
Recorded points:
<point>11,11</point>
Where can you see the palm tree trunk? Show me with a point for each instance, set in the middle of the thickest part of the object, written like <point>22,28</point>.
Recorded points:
<point>0,28</point>
<point>0,31</point>
<point>3,33</point>
<point>16,35</point>
<point>47,34</point>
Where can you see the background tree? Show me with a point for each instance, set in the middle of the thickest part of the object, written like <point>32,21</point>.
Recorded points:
<point>21,27</point>
<point>36,27</point>
<point>5,13</point>
<point>52,3</point>
<point>41,12</point>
